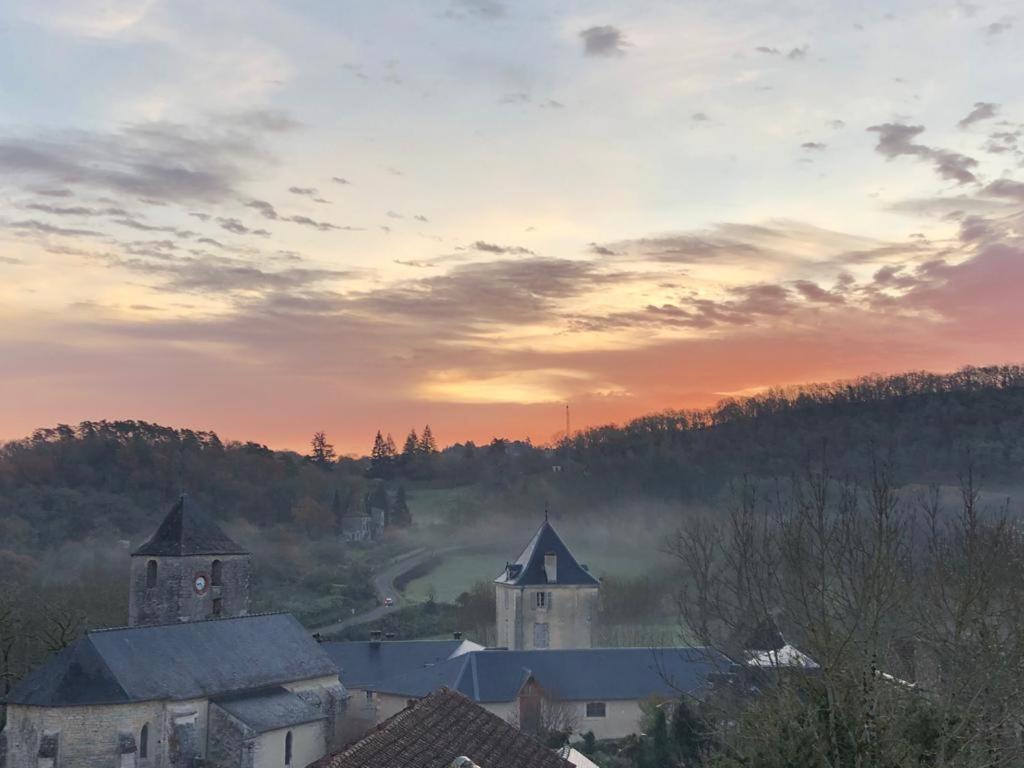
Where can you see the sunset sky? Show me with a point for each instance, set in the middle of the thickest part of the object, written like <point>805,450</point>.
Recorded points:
<point>271,218</point>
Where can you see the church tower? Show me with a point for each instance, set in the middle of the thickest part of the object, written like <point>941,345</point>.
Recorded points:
<point>546,599</point>
<point>188,570</point>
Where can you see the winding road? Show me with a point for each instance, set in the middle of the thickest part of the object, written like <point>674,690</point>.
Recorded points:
<point>384,586</point>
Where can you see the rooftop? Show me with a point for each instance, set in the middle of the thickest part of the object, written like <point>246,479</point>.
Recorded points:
<point>433,732</point>
<point>196,659</point>
<point>579,674</point>
<point>528,569</point>
<point>269,709</point>
<point>363,662</point>
<point>187,530</point>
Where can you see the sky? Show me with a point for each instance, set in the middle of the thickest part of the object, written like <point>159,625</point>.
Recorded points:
<point>271,218</point>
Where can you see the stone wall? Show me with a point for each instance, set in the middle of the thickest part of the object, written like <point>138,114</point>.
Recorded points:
<point>568,613</point>
<point>86,736</point>
<point>174,598</point>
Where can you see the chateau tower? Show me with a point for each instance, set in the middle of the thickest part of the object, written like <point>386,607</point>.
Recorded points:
<point>546,599</point>
<point>188,570</point>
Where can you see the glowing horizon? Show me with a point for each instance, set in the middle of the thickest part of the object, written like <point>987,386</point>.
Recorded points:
<point>272,220</point>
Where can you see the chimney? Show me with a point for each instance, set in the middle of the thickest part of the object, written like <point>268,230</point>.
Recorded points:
<point>456,635</point>
<point>389,635</point>
<point>551,567</point>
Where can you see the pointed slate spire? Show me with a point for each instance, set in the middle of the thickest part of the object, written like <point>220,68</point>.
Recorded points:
<point>186,530</point>
<point>528,569</point>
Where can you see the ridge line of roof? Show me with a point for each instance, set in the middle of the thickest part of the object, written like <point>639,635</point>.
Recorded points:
<point>207,620</point>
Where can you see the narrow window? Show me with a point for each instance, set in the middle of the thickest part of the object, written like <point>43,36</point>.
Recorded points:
<point>218,606</point>
<point>595,709</point>
<point>540,599</point>
<point>151,573</point>
<point>288,748</point>
<point>506,598</point>
<point>215,573</point>
<point>144,741</point>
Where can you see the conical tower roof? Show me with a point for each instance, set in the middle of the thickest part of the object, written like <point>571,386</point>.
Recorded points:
<point>528,569</point>
<point>188,531</point>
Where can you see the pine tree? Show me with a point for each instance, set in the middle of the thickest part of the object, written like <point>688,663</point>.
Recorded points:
<point>412,443</point>
<point>661,754</point>
<point>378,457</point>
<point>400,514</point>
<point>389,447</point>
<point>427,445</point>
<point>322,451</point>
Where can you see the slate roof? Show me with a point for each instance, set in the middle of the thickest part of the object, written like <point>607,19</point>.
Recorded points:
<point>433,732</point>
<point>528,569</point>
<point>187,530</point>
<point>195,659</point>
<point>269,709</point>
<point>362,663</point>
<point>579,674</point>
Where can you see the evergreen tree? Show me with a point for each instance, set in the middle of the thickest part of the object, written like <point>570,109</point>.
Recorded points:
<point>687,734</point>
<point>427,445</point>
<point>411,447</point>
<point>389,448</point>
<point>400,514</point>
<point>661,753</point>
<point>322,451</point>
<point>379,459</point>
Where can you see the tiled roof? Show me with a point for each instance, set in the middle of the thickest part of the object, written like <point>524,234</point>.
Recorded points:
<point>186,530</point>
<point>363,662</point>
<point>194,659</point>
<point>528,569</point>
<point>580,674</point>
<point>433,732</point>
<point>269,709</point>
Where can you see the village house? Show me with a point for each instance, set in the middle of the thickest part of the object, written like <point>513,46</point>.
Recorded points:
<point>193,676</point>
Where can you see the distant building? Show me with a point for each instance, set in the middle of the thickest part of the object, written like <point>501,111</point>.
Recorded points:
<point>193,679</point>
<point>445,730</point>
<point>546,599</point>
<point>587,689</point>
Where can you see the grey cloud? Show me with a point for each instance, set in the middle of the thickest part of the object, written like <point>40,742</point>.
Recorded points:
<point>75,210</point>
<point>268,211</point>
<point>306,191</point>
<point>1002,142</point>
<point>422,218</point>
<point>486,247</point>
<point>238,228</point>
<point>552,104</point>
<point>268,120</point>
<point>895,139</point>
<point>813,292</point>
<point>515,98</point>
<point>998,27</point>
<point>1006,188</point>
<point>305,221</point>
<point>199,215</point>
<point>45,228</point>
<point>699,117</point>
<point>489,10</point>
<point>53,192</point>
<point>340,180</point>
<point>603,41</point>
<point>814,146</point>
<point>157,161</point>
<point>836,124</point>
<point>10,260</point>
<point>983,110</point>
<point>264,208</point>
<point>394,215</point>
<point>601,250</point>
<point>796,54</point>
<point>768,50</point>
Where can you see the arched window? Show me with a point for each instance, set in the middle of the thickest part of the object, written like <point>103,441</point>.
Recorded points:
<point>144,741</point>
<point>288,748</point>
<point>151,573</point>
<point>216,573</point>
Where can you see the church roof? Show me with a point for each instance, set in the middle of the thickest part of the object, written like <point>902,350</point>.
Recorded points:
<point>187,530</point>
<point>439,729</point>
<point>269,709</point>
<point>190,660</point>
<point>528,569</point>
<point>577,674</point>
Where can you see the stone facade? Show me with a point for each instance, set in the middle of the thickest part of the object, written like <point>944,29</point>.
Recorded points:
<point>163,588</point>
<point>178,732</point>
<point>548,616</point>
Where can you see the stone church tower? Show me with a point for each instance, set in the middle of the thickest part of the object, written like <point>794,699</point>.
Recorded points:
<point>188,570</point>
<point>546,599</point>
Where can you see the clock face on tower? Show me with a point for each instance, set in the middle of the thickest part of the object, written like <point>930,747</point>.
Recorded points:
<point>200,582</point>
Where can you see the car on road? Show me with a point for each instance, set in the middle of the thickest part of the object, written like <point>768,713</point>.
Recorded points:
<point>389,601</point>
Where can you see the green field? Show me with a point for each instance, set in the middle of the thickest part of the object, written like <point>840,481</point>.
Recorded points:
<point>459,571</point>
